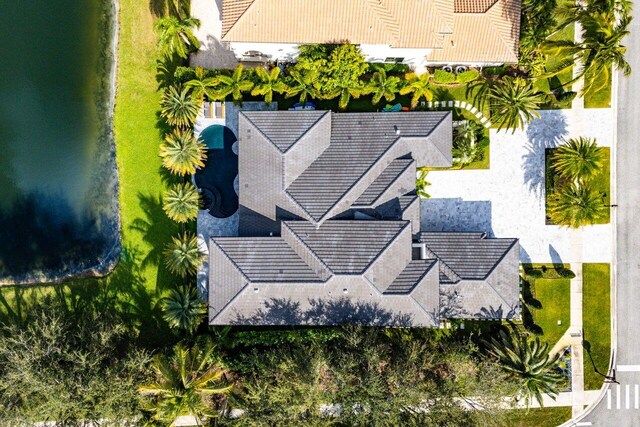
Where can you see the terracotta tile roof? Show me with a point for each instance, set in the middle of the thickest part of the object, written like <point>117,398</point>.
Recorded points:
<point>483,37</point>
<point>398,23</point>
<point>472,6</point>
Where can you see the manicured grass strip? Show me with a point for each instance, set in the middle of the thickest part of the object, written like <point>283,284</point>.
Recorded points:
<point>553,295</point>
<point>600,98</point>
<point>596,317</point>
<point>541,417</point>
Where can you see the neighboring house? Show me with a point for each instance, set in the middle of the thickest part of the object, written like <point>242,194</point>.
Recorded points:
<point>415,32</point>
<point>329,228</point>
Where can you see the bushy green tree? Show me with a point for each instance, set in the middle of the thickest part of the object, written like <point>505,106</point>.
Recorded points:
<point>187,382</point>
<point>181,202</point>
<point>182,153</point>
<point>182,255</point>
<point>69,367</point>
<point>179,107</point>
<point>176,35</point>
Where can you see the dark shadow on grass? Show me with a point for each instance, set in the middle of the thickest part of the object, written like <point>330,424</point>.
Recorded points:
<point>156,228</point>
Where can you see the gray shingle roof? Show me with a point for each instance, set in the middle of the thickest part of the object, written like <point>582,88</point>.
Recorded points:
<point>410,276</point>
<point>285,128</point>
<point>266,259</point>
<point>358,141</point>
<point>469,255</point>
<point>383,181</point>
<point>347,247</point>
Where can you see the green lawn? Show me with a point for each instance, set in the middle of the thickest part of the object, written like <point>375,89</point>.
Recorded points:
<point>596,321</point>
<point>555,304</point>
<point>137,282</point>
<point>600,183</point>
<point>542,417</point>
<point>601,97</point>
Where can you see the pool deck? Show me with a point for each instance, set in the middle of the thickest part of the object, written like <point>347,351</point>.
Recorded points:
<point>209,226</point>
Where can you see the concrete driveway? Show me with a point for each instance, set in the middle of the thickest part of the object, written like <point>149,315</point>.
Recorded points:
<point>213,54</point>
<point>507,200</point>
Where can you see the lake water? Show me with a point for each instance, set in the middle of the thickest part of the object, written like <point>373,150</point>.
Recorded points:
<point>58,180</point>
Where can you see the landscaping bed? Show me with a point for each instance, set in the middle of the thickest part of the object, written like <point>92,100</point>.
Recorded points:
<point>596,318</point>
<point>600,183</point>
<point>600,98</point>
<point>539,417</point>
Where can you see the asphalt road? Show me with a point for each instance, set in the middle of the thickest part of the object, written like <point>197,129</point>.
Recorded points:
<point>621,405</point>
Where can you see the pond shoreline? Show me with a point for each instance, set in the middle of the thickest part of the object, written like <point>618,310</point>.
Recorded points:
<point>109,218</point>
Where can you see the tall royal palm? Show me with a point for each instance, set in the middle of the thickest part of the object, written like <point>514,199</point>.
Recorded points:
<point>182,153</point>
<point>513,102</point>
<point>576,206</point>
<point>578,159</point>
<point>179,107</point>
<point>605,23</point>
<point>186,383</point>
<point>234,85</point>
<point>270,83</point>
<point>176,36</point>
<point>184,309</point>
<point>304,83</point>
<point>419,86</point>
<point>529,361</point>
<point>182,256</point>
<point>382,86</point>
<point>180,202</point>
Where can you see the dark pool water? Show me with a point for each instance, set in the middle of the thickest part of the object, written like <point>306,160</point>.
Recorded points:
<point>58,180</point>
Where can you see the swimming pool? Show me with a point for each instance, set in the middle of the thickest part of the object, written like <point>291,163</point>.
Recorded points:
<point>213,136</point>
<point>215,179</point>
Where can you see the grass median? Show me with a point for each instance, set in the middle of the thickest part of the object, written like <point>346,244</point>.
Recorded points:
<point>596,315</point>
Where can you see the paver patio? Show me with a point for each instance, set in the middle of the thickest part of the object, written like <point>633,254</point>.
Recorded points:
<point>508,200</point>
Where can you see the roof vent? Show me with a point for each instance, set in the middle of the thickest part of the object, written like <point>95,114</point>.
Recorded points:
<point>396,129</point>
<point>271,234</point>
<point>345,290</point>
<point>256,290</point>
<point>484,235</point>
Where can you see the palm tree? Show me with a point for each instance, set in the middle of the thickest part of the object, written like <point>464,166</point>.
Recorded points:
<point>176,35</point>
<point>604,25</point>
<point>305,83</point>
<point>422,184</point>
<point>270,82</point>
<point>201,85</point>
<point>179,108</point>
<point>346,89</point>
<point>418,86</point>
<point>180,202</point>
<point>184,308</point>
<point>182,153</point>
<point>233,85</point>
<point>529,361</point>
<point>182,255</point>
<point>576,206</point>
<point>513,102</point>
<point>382,86</point>
<point>578,159</point>
<point>186,383</point>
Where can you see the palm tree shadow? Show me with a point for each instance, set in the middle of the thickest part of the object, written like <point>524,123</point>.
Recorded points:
<point>156,229</point>
<point>177,8</point>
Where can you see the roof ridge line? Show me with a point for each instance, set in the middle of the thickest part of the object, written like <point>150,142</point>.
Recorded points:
<point>313,253</point>
<point>488,16</point>
<point>222,36</point>
<point>308,129</point>
<point>424,273</point>
<point>212,239</point>
<point>404,169</point>
<point>259,130</point>
<point>514,241</point>
<point>393,239</point>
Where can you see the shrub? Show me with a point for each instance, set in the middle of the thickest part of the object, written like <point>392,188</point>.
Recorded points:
<point>566,273</point>
<point>494,71</point>
<point>389,68</point>
<point>442,76</point>
<point>467,76</point>
<point>535,273</point>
